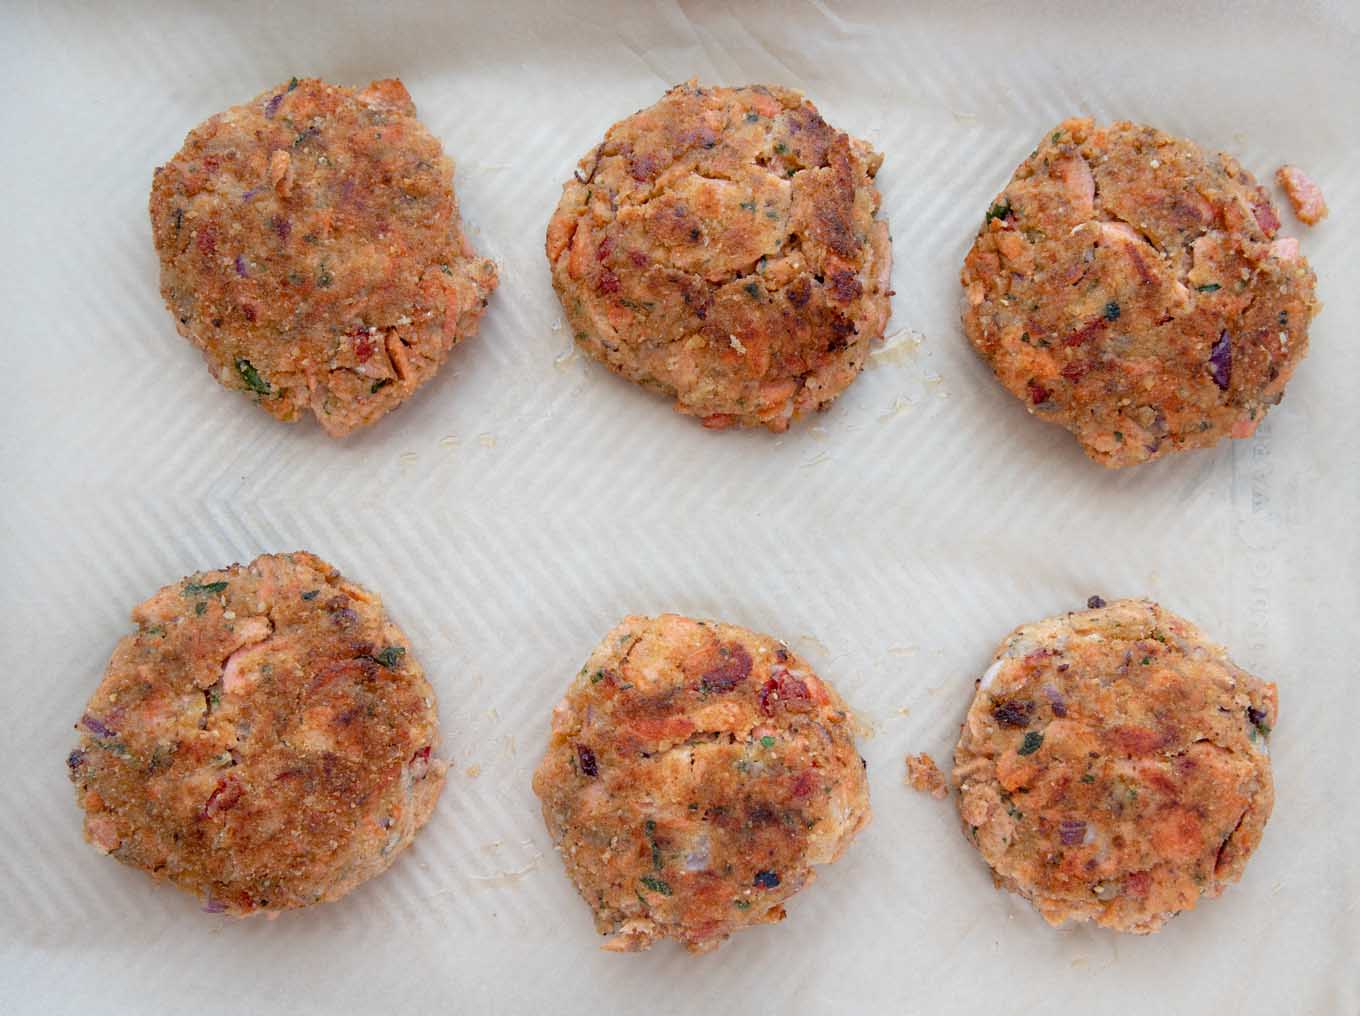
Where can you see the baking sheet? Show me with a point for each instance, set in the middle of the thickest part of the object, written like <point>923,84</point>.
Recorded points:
<point>526,500</point>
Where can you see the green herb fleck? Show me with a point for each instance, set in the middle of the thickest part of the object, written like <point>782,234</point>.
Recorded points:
<point>214,697</point>
<point>752,117</point>
<point>1033,739</point>
<point>390,656</point>
<point>742,904</point>
<point>1089,778</point>
<point>752,290</point>
<point>649,827</point>
<point>200,607</point>
<point>324,279</point>
<point>767,741</point>
<point>252,378</point>
<point>750,206</point>
<point>155,629</point>
<point>1211,287</point>
<point>1119,435</point>
<point>379,385</point>
<point>204,589</point>
<point>1000,210</point>
<point>292,83</point>
<point>311,594</point>
<point>1112,311</point>
<point>1056,136</point>
<point>597,677</point>
<point>781,148</point>
<point>1146,660</point>
<point>656,885</point>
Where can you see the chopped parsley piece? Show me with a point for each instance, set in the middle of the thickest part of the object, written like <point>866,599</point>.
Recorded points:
<point>204,589</point>
<point>252,378</point>
<point>1112,311</point>
<point>781,148</point>
<point>752,117</point>
<point>742,904</point>
<point>750,206</point>
<point>378,385</point>
<point>597,677</point>
<point>766,880</point>
<point>390,656</point>
<point>1033,739</point>
<point>656,885</point>
<point>752,290</point>
<point>200,607</point>
<point>1146,660</point>
<point>1089,778</point>
<point>292,83</point>
<point>767,741</point>
<point>1212,287</point>
<point>324,278</point>
<point>649,827</point>
<point>155,629</point>
<point>1000,210</point>
<point>311,594</point>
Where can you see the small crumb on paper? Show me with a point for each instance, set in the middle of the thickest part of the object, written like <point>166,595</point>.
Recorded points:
<point>1304,195</point>
<point>924,776</point>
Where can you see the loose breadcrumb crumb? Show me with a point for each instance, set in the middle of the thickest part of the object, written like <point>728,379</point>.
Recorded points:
<point>925,776</point>
<point>1304,195</point>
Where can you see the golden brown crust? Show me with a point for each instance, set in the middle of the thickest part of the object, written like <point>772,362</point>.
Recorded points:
<point>696,773</point>
<point>262,740</point>
<point>311,247</point>
<point>1131,289</point>
<point>721,247</point>
<point>1113,766</point>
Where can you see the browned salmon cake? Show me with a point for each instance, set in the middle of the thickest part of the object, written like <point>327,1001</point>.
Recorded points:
<point>311,247</point>
<point>1134,290</point>
<point>722,247</point>
<point>1113,766</point>
<point>262,740</point>
<point>695,774</point>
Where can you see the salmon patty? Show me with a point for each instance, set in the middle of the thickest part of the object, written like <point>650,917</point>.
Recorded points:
<point>1113,766</point>
<point>263,740</point>
<point>695,774</point>
<point>311,247</point>
<point>721,247</point>
<point>1135,291</point>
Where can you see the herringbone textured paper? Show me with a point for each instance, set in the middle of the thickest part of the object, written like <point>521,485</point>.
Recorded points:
<point>525,500</point>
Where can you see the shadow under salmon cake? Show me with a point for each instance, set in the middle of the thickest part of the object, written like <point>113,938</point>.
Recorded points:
<point>1114,766</point>
<point>1131,288</point>
<point>696,774</point>
<point>263,740</point>
<point>722,247</point>
<point>311,247</point>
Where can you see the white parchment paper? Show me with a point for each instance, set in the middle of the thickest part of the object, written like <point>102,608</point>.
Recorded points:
<point>526,500</point>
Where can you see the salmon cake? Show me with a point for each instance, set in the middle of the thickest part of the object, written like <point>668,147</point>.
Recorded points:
<point>311,247</point>
<point>1113,766</point>
<point>722,247</point>
<point>1136,291</point>
<point>695,774</point>
<point>263,740</point>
